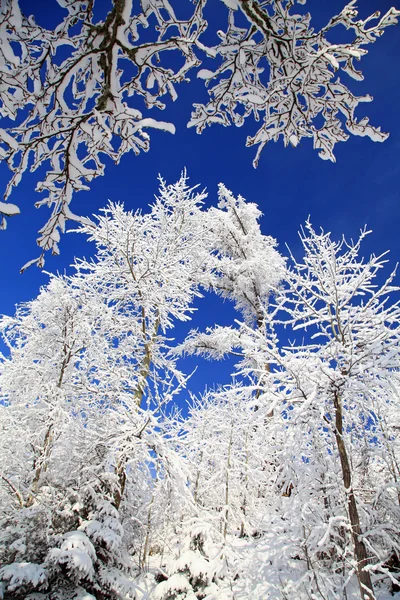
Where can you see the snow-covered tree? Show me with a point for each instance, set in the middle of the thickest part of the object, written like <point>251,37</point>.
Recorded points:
<point>282,484</point>
<point>75,93</point>
<point>328,401</point>
<point>336,398</point>
<point>89,373</point>
<point>39,380</point>
<point>48,490</point>
<point>350,368</point>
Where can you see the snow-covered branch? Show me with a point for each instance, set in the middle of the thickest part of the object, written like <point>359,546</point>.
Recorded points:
<point>75,94</point>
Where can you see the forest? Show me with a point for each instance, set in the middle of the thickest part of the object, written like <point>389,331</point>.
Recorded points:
<point>282,484</point>
<point>119,479</point>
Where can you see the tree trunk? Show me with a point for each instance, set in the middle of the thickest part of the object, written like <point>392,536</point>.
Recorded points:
<point>360,551</point>
<point>245,487</point>
<point>121,477</point>
<point>144,371</point>
<point>228,468</point>
<point>41,462</point>
<point>146,546</point>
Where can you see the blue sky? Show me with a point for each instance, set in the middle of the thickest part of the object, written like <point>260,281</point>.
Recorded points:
<point>289,184</point>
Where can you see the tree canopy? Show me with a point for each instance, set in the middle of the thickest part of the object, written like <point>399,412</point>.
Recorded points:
<point>90,88</point>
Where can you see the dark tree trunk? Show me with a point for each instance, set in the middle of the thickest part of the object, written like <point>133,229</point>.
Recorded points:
<point>119,492</point>
<point>360,551</point>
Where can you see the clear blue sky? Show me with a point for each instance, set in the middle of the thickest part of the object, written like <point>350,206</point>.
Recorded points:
<point>289,184</point>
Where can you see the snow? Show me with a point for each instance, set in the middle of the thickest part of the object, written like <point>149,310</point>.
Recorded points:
<point>84,595</point>
<point>23,573</point>
<point>175,584</point>
<point>9,209</point>
<point>232,4</point>
<point>205,74</point>
<point>148,122</point>
<point>194,562</point>
<point>107,531</point>
<point>77,553</point>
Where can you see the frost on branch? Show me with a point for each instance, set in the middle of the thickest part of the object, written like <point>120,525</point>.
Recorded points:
<point>285,74</point>
<point>71,112</point>
<point>248,271</point>
<point>249,266</point>
<point>9,210</point>
<point>72,94</point>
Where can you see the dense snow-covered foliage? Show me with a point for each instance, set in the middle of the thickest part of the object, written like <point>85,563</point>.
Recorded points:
<point>282,484</point>
<point>75,94</point>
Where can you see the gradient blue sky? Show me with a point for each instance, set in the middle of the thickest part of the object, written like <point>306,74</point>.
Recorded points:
<point>289,184</point>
